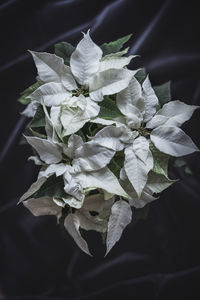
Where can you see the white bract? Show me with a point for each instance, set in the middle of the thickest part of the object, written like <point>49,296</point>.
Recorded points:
<point>118,157</point>
<point>138,158</point>
<point>138,103</point>
<point>87,170</point>
<point>76,87</point>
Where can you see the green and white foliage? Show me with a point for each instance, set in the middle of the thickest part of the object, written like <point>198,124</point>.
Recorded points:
<point>103,137</point>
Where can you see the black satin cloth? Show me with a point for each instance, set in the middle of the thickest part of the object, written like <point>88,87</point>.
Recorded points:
<point>156,259</point>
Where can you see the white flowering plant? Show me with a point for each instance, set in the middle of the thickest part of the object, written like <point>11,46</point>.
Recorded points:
<point>102,136</point>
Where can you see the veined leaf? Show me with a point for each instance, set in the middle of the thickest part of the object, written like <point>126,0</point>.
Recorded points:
<point>163,92</point>
<point>157,183</point>
<point>173,113</point>
<point>108,109</point>
<point>72,224</point>
<point>48,151</point>
<point>138,163</point>
<point>115,46</point>
<point>120,217</point>
<point>173,141</point>
<point>64,50</point>
<point>84,61</point>
<point>150,100</point>
<point>33,189</point>
<point>115,60</point>
<point>27,92</point>
<point>161,161</point>
<point>53,187</point>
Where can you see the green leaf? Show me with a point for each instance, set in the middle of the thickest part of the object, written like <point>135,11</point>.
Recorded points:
<point>163,92</point>
<point>108,109</point>
<point>27,92</point>
<point>115,46</point>
<point>141,75</point>
<point>115,55</point>
<point>81,134</point>
<point>38,119</point>
<point>53,187</point>
<point>37,134</point>
<point>161,161</point>
<point>115,168</point>
<point>92,128</point>
<point>23,100</point>
<point>117,163</point>
<point>64,50</point>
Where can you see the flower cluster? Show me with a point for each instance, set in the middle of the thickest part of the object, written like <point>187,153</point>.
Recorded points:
<point>101,137</point>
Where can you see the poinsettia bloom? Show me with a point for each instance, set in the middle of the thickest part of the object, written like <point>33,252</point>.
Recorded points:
<point>138,158</point>
<point>138,104</point>
<point>88,168</point>
<point>163,125</point>
<point>88,78</point>
<point>81,218</point>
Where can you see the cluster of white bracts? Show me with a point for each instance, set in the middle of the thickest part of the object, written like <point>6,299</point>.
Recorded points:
<point>70,97</point>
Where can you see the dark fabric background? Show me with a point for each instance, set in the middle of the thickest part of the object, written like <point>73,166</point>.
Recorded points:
<point>156,259</point>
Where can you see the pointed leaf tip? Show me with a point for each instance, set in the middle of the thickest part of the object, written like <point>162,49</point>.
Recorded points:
<point>121,216</point>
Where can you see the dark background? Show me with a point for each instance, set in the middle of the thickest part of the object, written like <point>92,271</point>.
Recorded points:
<point>155,259</point>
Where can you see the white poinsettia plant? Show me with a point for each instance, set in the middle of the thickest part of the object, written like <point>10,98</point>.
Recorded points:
<point>101,136</point>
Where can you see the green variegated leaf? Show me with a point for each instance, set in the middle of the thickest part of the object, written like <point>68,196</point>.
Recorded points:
<point>114,167</point>
<point>161,161</point>
<point>53,187</point>
<point>23,99</point>
<point>37,134</point>
<point>108,109</point>
<point>115,46</point>
<point>64,50</point>
<point>33,189</point>
<point>38,119</point>
<point>163,92</point>
<point>141,75</point>
<point>115,61</point>
<point>157,183</point>
<point>116,54</point>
